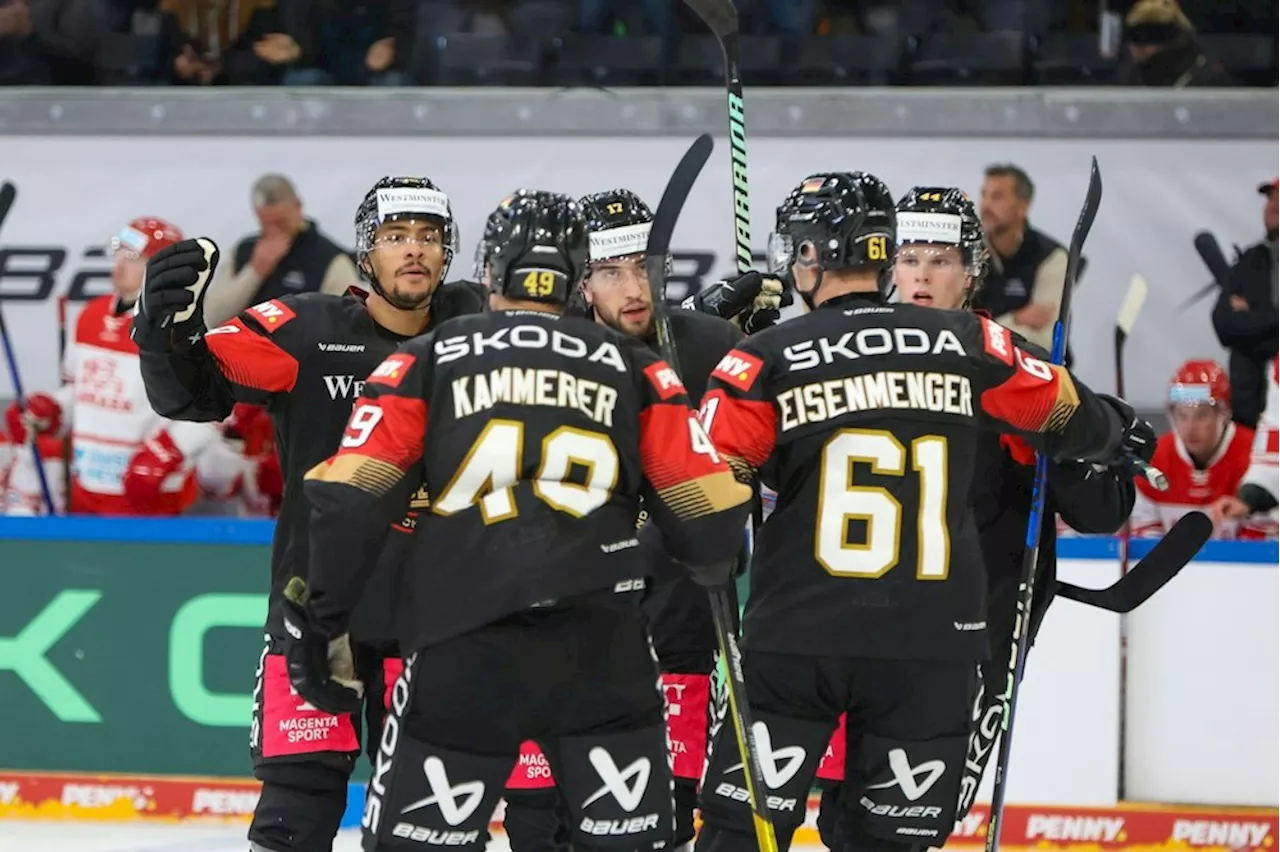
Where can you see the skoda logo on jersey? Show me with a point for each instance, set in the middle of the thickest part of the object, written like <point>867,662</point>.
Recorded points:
<point>446,796</point>
<point>778,767</point>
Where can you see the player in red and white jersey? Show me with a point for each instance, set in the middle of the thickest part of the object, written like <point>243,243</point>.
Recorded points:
<point>1204,454</point>
<point>1254,504</point>
<point>244,467</point>
<point>127,459</point>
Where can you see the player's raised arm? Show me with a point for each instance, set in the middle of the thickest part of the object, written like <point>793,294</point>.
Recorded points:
<point>691,493</point>
<point>194,373</point>
<point>361,489</point>
<point>1046,403</point>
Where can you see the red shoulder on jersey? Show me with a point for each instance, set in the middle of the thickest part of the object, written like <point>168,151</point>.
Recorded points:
<point>272,314</point>
<point>666,382</point>
<point>252,359</point>
<point>392,370</point>
<point>739,369</point>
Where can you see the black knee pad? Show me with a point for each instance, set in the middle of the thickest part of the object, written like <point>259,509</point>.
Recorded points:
<point>903,791</point>
<point>536,821</point>
<point>686,800</point>
<point>423,794</point>
<point>789,751</point>
<point>617,786</point>
<point>829,816</point>
<point>300,807</point>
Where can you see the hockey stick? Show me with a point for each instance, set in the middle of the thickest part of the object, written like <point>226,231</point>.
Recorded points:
<point>655,263</point>
<point>721,18</point>
<point>1026,586</point>
<point>1170,555</point>
<point>1211,254</point>
<point>8,194</point>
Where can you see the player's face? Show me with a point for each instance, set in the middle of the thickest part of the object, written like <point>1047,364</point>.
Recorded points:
<point>408,258</point>
<point>1199,426</point>
<point>929,275</point>
<point>1270,213</point>
<point>619,292</point>
<point>127,273</point>
<point>1001,207</point>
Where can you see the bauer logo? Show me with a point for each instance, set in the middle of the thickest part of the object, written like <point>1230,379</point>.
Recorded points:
<point>392,370</point>
<point>272,314</point>
<point>665,380</point>
<point>738,369</point>
<point>998,341</point>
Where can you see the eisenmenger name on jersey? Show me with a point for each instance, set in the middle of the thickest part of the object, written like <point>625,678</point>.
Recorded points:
<point>944,393</point>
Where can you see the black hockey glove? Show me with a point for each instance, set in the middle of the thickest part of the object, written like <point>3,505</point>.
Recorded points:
<point>170,312</point>
<point>321,669</point>
<point>1139,438</point>
<point>751,301</point>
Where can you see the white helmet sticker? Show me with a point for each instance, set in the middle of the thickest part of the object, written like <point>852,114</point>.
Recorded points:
<point>928,228</point>
<point>429,202</point>
<point>619,242</point>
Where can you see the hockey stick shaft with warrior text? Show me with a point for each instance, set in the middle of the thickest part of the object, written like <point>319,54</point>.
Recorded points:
<point>664,224</point>
<point>721,18</point>
<point>8,194</point>
<point>1026,583</point>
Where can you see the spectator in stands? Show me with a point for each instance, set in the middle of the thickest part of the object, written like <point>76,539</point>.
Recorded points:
<point>1024,287</point>
<point>20,61</point>
<point>1245,317</point>
<point>207,42</point>
<point>288,255</point>
<point>1163,50</point>
<point>350,43</point>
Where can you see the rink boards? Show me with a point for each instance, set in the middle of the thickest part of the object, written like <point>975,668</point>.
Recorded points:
<point>168,799</point>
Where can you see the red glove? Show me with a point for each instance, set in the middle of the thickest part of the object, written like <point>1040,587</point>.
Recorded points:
<point>42,409</point>
<point>158,459</point>
<point>270,481</point>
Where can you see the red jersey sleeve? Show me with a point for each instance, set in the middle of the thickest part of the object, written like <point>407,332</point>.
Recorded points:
<point>691,494</point>
<point>741,421</point>
<point>257,349</point>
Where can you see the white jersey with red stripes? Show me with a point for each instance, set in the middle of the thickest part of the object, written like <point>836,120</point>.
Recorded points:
<point>1191,487</point>
<point>105,408</point>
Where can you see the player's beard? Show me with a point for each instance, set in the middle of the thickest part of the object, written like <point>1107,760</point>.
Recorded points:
<point>407,299</point>
<point>616,321</point>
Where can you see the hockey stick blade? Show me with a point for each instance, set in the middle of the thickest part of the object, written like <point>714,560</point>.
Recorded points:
<point>720,16</point>
<point>1089,212</point>
<point>1170,555</point>
<point>8,193</point>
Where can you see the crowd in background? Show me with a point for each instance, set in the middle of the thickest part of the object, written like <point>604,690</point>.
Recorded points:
<point>133,462</point>
<point>538,42</point>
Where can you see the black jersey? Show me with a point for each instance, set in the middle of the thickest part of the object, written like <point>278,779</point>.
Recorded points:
<point>535,436</point>
<point>873,414</point>
<point>306,359</point>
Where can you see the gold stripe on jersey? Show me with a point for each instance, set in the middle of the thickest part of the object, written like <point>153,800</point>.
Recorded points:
<point>1066,404</point>
<point>706,495</point>
<point>375,476</point>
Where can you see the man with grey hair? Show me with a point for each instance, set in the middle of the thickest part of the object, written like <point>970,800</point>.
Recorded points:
<point>288,256</point>
<point>1028,268</point>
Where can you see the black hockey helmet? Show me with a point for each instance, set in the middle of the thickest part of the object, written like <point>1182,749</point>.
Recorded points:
<point>484,247</point>
<point>945,216</point>
<point>397,199</point>
<point>618,222</point>
<point>848,218</point>
<point>537,246</point>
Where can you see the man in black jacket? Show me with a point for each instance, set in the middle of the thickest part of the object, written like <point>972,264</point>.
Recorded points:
<point>941,261</point>
<point>1245,318</point>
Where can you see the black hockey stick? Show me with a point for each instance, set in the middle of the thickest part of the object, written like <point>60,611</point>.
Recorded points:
<point>1211,254</point>
<point>1170,555</point>
<point>1026,583</point>
<point>655,264</point>
<point>8,194</point>
<point>721,18</point>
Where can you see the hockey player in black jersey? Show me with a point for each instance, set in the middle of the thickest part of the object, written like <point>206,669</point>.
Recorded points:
<point>940,263</point>
<point>306,358</point>
<point>536,435</point>
<point>868,592</point>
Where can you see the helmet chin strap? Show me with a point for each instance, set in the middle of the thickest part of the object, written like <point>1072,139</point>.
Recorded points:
<point>395,301</point>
